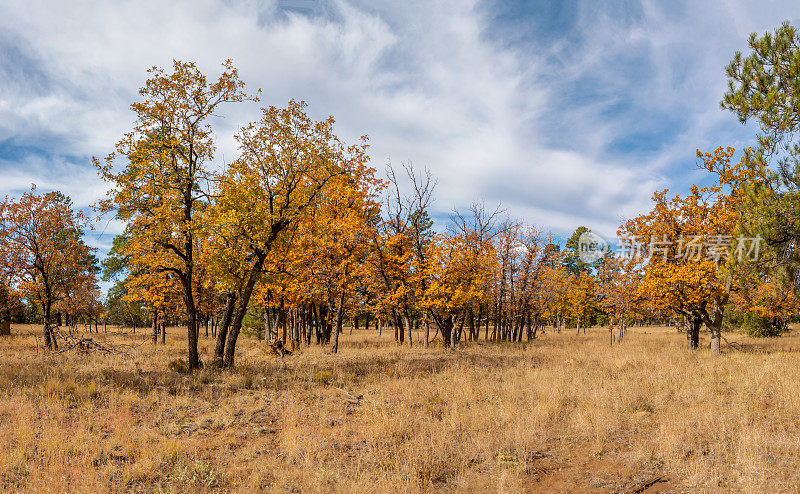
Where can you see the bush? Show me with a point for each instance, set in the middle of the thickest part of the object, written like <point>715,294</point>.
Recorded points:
<point>253,326</point>
<point>323,377</point>
<point>763,327</point>
<point>179,365</point>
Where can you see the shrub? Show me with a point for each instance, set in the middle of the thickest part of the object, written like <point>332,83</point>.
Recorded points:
<point>253,326</point>
<point>179,365</point>
<point>323,377</point>
<point>763,327</point>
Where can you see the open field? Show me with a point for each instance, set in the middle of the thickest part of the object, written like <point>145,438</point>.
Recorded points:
<point>566,413</point>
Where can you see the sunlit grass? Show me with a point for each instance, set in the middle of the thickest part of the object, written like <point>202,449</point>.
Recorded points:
<point>566,412</point>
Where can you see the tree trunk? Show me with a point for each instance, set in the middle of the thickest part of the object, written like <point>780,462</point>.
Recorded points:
<point>155,328</point>
<point>410,326</point>
<point>452,330</point>
<point>5,320</point>
<point>49,339</point>
<point>460,330</point>
<point>716,337</point>
<point>267,325</point>
<point>241,311</point>
<point>317,318</point>
<point>486,328</point>
<point>309,325</point>
<point>293,322</point>
<point>222,329</point>
<point>471,316</point>
<point>693,331</point>
<point>687,328</point>
<point>279,319</point>
<point>399,329</point>
<point>191,332</point>
<point>5,317</point>
<point>338,326</point>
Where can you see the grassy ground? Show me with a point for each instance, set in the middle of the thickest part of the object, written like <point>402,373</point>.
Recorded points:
<point>566,413</point>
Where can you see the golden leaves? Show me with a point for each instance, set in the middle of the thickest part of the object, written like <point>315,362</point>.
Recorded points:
<point>671,279</point>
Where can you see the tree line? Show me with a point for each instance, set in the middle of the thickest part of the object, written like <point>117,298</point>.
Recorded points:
<point>300,233</point>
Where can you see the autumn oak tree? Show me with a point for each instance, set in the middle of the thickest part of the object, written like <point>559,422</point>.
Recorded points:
<point>288,164</point>
<point>44,258</point>
<point>162,182</point>
<point>685,270</point>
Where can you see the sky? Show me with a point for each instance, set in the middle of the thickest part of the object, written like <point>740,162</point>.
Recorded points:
<point>566,113</point>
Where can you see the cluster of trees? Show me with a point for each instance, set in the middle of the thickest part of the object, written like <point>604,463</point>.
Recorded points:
<point>299,234</point>
<point>45,264</point>
<point>294,231</point>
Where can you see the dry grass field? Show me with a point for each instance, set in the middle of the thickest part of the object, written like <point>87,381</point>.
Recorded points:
<point>563,414</point>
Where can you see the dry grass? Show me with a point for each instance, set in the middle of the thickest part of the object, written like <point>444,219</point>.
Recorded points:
<point>566,413</point>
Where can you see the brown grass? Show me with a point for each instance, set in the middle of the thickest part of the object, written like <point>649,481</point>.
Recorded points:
<point>566,413</point>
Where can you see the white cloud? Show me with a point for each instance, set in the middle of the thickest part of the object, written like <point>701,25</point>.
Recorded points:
<point>428,81</point>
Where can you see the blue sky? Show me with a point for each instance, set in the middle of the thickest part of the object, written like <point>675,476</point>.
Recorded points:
<point>566,112</point>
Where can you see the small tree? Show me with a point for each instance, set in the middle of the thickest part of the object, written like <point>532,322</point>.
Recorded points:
<point>616,291</point>
<point>43,254</point>
<point>688,266</point>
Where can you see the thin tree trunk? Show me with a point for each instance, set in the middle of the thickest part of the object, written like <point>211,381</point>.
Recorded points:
<point>5,320</point>
<point>283,337</point>
<point>486,330</point>
<point>155,328</point>
<point>453,332</point>
<point>410,327</point>
<point>471,326</point>
<point>338,326</point>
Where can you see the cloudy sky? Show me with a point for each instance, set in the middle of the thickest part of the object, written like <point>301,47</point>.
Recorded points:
<point>566,112</point>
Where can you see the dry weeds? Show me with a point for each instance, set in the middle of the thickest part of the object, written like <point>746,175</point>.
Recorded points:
<point>566,413</point>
